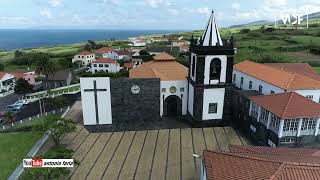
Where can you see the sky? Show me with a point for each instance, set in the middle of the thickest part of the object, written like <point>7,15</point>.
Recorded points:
<point>143,14</point>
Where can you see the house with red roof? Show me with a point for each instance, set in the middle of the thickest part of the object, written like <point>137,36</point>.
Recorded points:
<point>85,57</point>
<point>28,76</point>
<point>251,163</point>
<point>106,65</point>
<point>277,104</point>
<point>107,52</point>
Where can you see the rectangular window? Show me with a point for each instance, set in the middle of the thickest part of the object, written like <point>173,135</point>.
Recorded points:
<point>254,110</point>
<point>264,116</point>
<point>290,125</point>
<point>95,65</point>
<point>275,122</point>
<point>213,107</point>
<point>106,65</point>
<point>181,89</point>
<point>288,140</point>
<point>271,92</point>
<point>309,97</point>
<point>100,65</point>
<point>163,89</point>
<point>260,89</point>
<point>234,78</point>
<point>241,83</point>
<point>250,85</point>
<point>308,124</point>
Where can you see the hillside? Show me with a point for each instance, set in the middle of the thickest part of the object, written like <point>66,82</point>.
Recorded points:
<point>255,23</point>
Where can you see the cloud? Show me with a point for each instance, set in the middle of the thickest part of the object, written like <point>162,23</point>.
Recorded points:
<point>174,12</point>
<point>235,6</point>
<point>275,3</point>
<point>157,3</point>
<point>46,13</point>
<point>55,3</point>
<point>18,20</point>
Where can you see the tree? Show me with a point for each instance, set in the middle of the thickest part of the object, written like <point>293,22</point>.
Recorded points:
<point>65,62</point>
<point>243,31</point>
<point>45,67</point>
<point>58,102</point>
<point>9,117</point>
<point>144,52</point>
<point>59,127</point>
<point>1,67</point>
<point>22,87</point>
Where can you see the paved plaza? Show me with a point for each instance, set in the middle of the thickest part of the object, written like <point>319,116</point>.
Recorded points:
<point>151,154</point>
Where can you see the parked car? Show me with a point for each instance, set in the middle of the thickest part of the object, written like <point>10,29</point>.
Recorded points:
<point>14,108</point>
<point>22,102</point>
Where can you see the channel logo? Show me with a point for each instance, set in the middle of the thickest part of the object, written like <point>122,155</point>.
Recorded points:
<point>47,163</point>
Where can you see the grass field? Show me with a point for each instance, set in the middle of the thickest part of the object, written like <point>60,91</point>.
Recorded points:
<point>317,69</point>
<point>14,147</point>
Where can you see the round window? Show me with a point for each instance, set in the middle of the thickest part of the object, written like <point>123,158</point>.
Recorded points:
<point>173,89</point>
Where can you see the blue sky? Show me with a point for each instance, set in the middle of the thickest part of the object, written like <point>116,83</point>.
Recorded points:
<point>143,14</point>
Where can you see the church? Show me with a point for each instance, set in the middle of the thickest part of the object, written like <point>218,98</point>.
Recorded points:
<point>161,88</point>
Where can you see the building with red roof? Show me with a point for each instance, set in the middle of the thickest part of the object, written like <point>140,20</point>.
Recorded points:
<point>28,76</point>
<point>6,82</point>
<point>262,163</point>
<point>106,65</point>
<point>107,52</point>
<point>84,57</point>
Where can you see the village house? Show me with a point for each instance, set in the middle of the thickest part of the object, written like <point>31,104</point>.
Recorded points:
<point>125,55</point>
<point>28,76</point>
<point>106,65</point>
<point>139,42</point>
<point>84,57</point>
<point>257,162</point>
<point>107,52</point>
<point>59,79</point>
<point>6,82</point>
<point>277,104</point>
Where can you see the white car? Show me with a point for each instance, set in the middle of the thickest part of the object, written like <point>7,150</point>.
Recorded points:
<point>21,102</point>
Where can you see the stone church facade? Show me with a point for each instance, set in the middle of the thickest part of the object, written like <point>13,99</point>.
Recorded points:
<point>161,88</point>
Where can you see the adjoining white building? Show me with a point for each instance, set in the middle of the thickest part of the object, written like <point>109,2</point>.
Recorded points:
<point>84,57</point>
<point>106,65</point>
<point>6,82</point>
<point>173,82</point>
<point>267,79</point>
<point>107,52</point>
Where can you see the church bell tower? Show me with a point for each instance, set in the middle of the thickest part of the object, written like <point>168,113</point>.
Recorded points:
<point>210,76</point>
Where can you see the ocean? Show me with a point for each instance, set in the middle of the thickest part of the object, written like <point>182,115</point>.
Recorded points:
<point>21,39</point>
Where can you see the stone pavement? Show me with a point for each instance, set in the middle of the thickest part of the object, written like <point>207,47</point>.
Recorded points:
<point>150,154</point>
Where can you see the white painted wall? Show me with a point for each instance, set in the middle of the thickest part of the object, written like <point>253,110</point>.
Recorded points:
<point>85,59</point>
<point>208,59</point>
<point>190,99</point>
<point>314,93</point>
<point>191,66</point>
<point>178,84</point>
<point>267,88</point>
<point>213,96</point>
<point>112,55</point>
<point>88,102</point>
<point>255,83</point>
<point>112,68</point>
<point>6,77</point>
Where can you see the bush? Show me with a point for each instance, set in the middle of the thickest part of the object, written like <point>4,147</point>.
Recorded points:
<point>29,58</point>
<point>1,67</point>
<point>315,51</point>
<point>243,31</point>
<point>57,152</point>
<point>57,103</point>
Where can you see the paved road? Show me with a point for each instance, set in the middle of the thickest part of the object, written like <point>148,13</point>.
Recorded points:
<point>8,100</point>
<point>150,154</point>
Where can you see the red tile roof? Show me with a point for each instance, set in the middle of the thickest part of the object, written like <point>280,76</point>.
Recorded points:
<point>104,50</point>
<point>128,65</point>
<point>288,105</point>
<point>85,53</point>
<point>299,68</point>
<point>2,74</point>
<point>18,75</point>
<point>162,67</point>
<point>164,57</point>
<point>277,77</point>
<point>238,164</point>
<point>105,60</point>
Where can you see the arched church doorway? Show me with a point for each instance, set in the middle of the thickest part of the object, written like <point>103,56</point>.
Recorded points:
<point>172,106</point>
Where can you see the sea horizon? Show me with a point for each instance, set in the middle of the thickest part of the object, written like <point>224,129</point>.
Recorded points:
<point>14,39</point>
